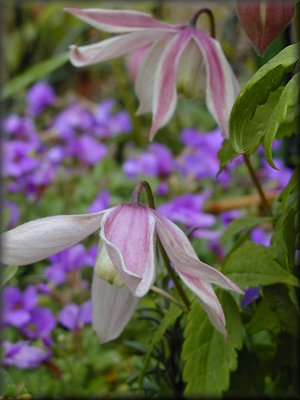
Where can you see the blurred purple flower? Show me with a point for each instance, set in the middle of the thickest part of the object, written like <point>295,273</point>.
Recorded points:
<point>73,316</point>
<point>107,124</point>
<point>87,149</point>
<point>22,355</point>
<point>40,96</point>
<point>260,236</point>
<point>70,259</point>
<point>279,178</point>
<point>17,159</point>
<point>162,188</point>
<point>101,202</point>
<point>72,121</point>
<point>156,161</point>
<point>228,216</point>
<point>41,323</point>
<point>14,213</point>
<point>91,255</point>
<point>251,294</point>
<point>17,305</point>
<point>21,128</point>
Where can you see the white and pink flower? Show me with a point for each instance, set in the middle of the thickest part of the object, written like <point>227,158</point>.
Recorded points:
<point>174,53</point>
<point>125,267</point>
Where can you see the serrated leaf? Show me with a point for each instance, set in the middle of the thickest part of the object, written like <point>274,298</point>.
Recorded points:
<point>208,357</point>
<point>283,240</point>
<point>242,223</point>
<point>226,154</point>
<point>256,92</point>
<point>285,109</point>
<point>169,319</point>
<point>253,265</point>
<point>32,74</point>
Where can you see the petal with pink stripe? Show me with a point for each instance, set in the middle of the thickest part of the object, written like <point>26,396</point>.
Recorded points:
<point>118,21</point>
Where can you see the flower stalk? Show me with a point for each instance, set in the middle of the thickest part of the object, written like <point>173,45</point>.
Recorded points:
<point>211,19</point>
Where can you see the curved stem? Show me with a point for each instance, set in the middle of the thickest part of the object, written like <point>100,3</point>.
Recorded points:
<point>258,186</point>
<point>168,297</point>
<point>211,19</point>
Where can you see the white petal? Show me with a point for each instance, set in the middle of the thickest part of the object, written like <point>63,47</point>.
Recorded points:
<point>113,307</point>
<point>183,256</point>
<point>145,78</point>
<point>39,239</point>
<point>111,48</point>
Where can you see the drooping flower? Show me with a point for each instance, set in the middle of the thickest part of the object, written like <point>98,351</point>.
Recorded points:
<point>175,52</point>
<point>264,21</point>
<point>125,266</point>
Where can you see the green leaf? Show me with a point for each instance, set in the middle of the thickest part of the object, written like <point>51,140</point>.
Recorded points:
<point>8,273</point>
<point>256,92</point>
<point>290,194</point>
<point>253,265</point>
<point>34,73</point>
<point>242,223</point>
<point>285,109</point>
<point>208,357</point>
<point>169,319</point>
<point>226,154</point>
<point>283,240</point>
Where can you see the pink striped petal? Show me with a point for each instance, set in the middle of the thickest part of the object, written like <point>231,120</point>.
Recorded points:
<point>222,86</point>
<point>111,48</point>
<point>128,233</point>
<point>164,91</point>
<point>119,20</point>
<point>184,258</point>
<point>208,299</point>
<point>113,307</point>
<point>39,239</point>
<point>144,82</point>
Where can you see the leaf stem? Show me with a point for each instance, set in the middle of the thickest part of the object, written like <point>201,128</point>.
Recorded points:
<point>258,186</point>
<point>211,19</point>
<point>168,297</point>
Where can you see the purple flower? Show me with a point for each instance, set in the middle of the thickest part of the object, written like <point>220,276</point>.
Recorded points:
<point>21,128</point>
<point>156,161</point>
<point>107,124</point>
<point>17,159</point>
<point>162,188</point>
<point>73,316</point>
<point>101,202</point>
<point>17,305</point>
<point>22,355</point>
<point>228,216</point>
<point>40,96</point>
<point>260,236</point>
<point>279,178</point>
<point>251,294</point>
<point>41,323</point>
<point>14,213</point>
<point>86,149</point>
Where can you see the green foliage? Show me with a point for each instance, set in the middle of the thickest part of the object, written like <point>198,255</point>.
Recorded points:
<point>253,265</point>
<point>208,357</point>
<point>8,273</point>
<point>253,108</point>
<point>226,154</point>
<point>38,71</point>
<point>283,116</point>
<point>239,224</point>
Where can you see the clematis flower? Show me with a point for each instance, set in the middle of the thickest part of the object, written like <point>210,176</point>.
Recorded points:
<point>174,52</point>
<point>125,264</point>
<point>264,21</point>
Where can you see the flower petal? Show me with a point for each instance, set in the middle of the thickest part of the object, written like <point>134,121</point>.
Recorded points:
<point>222,86</point>
<point>145,77</point>
<point>208,299</point>
<point>128,233</point>
<point>183,256</point>
<point>164,91</point>
<point>111,48</point>
<point>113,307</point>
<point>118,20</point>
<point>36,240</point>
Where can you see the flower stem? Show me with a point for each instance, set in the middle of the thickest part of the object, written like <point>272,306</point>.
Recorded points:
<point>135,199</point>
<point>258,186</point>
<point>211,19</point>
<point>168,297</point>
